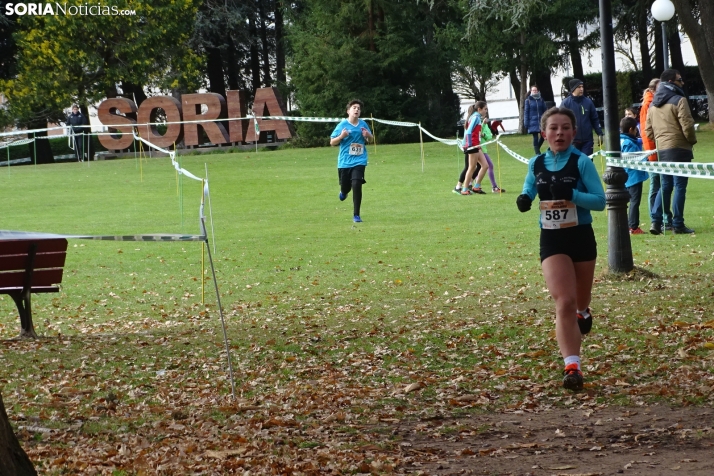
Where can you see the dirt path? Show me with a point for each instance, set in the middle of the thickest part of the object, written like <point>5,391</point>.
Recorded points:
<point>654,440</point>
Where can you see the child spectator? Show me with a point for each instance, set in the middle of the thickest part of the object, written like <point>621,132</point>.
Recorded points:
<point>629,112</point>
<point>628,143</point>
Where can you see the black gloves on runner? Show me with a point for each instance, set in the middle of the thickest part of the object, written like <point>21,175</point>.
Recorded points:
<point>523,202</point>
<point>561,191</point>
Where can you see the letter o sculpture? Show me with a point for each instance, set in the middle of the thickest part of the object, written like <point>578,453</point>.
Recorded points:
<point>172,108</point>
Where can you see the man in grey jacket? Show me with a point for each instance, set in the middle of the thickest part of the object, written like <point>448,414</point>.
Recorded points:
<point>671,125</point>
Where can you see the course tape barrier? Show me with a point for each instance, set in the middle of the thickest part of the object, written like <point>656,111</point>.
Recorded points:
<point>6,235</point>
<point>633,160</point>
<point>513,154</point>
<point>626,160</point>
<point>680,169</point>
<point>172,155</point>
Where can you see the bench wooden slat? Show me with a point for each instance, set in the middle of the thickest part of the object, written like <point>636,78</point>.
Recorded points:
<point>40,289</point>
<point>42,260</point>
<point>40,277</point>
<point>15,247</point>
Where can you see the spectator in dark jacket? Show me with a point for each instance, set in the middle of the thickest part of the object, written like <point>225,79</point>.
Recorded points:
<point>76,122</point>
<point>585,116</point>
<point>534,109</point>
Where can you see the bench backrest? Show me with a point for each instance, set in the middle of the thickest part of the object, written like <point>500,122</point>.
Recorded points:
<point>47,266</point>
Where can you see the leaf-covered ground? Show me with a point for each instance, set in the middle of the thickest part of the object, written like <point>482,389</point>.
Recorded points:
<point>407,344</point>
<point>320,391</point>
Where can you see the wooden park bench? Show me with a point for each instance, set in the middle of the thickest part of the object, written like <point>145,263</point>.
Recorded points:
<point>30,266</point>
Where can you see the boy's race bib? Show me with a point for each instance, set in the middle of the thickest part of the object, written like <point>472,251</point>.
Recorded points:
<point>356,149</point>
<point>556,214</point>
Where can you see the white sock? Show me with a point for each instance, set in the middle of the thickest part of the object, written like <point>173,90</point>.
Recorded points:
<point>572,359</point>
<point>585,314</point>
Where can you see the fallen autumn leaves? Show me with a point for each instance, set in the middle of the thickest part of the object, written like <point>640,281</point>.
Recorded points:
<point>369,392</point>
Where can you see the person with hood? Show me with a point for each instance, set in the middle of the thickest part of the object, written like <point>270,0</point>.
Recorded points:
<point>585,116</point>
<point>533,111</point>
<point>635,178</point>
<point>648,144</point>
<point>671,125</point>
<point>76,122</point>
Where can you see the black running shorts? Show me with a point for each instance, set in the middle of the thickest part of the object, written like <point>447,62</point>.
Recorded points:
<point>349,174</point>
<point>577,242</point>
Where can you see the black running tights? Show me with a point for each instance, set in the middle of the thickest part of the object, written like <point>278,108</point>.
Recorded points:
<point>356,194</point>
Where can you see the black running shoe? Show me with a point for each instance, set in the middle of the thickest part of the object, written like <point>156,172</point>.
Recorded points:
<point>572,378</point>
<point>585,323</point>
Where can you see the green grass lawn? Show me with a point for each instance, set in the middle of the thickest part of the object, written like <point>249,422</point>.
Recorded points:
<point>327,318</point>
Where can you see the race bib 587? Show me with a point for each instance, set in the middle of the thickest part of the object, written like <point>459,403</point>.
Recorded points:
<point>556,214</point>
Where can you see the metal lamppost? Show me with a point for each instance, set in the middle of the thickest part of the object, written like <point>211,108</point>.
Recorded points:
<point>619,248</point>
<point>663,11</point>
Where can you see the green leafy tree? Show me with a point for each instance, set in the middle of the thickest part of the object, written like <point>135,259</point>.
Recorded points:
<point>537,37</point>
<point>480,63</point>
<point>65,59</point>
<point>386,53</point>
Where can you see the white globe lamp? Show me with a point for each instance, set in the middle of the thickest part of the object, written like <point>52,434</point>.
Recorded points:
<point>663,11</point>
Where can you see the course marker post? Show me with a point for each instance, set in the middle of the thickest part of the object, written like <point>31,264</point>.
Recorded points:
<point>207,193</point>
<point>374,134</point>
<point>176,170</point>
<point>141,164</point>
<point>181,193</point>
<point>498,161</point>
<point>135,161</point>
<point>220,311</point>
<point>421,146</point>
<point>203,272</point>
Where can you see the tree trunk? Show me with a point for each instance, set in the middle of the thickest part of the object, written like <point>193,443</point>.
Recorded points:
<point>702,37</point>
<point>370,24</point>
<point>279,46</point>
<point>132,91</point>
<point>265,45</point>
<point>254,58</point>
<point>675,45</point>
<point>659,49</point>
<point>643,36</point>
<point>216,79</point>
<point>231,66</point>
<point>575,59</point>
<point>543,81</point>
<point>524,85</point>
<point>515,84</point>
<point>13,459</point>
<point>40,150</point>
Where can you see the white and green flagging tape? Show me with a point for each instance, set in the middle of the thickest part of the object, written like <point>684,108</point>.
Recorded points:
<point>633,161</point>
<point>626,160</point>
